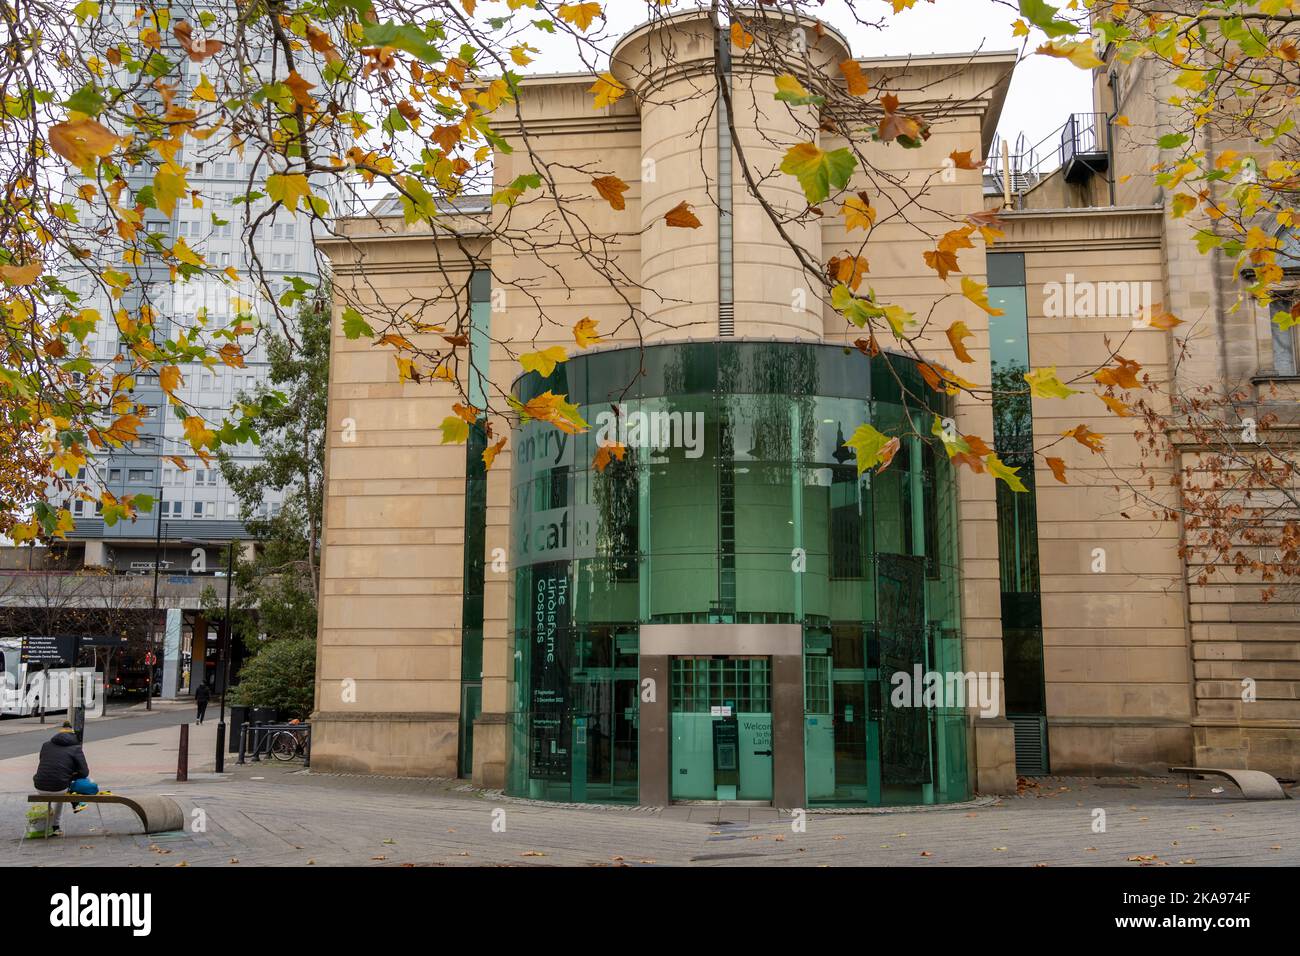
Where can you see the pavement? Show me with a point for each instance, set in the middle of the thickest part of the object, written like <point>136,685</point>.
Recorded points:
<point>278,814</point>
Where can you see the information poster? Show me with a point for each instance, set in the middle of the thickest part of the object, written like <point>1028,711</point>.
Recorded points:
<point>549,671</point>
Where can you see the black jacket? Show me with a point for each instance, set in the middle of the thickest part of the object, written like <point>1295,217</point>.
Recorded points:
<point>202,694</point>
<point>62,762</point>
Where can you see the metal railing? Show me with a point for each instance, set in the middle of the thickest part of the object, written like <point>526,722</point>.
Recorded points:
<point>1082,134</point>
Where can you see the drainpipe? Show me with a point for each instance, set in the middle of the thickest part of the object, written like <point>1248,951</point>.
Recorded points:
<point>1110,135</point>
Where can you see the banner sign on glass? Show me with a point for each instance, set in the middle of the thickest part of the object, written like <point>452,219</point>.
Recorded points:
<point>549,624</point>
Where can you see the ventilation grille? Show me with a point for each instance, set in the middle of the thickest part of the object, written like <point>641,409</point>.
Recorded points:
<point>726,319</point>
<point>1031,744</point>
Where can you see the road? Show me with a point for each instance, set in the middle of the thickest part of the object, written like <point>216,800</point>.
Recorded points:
<point>21,743</point>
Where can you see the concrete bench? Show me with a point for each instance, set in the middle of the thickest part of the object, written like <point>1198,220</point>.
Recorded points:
<point>157,814</point>
<point>1253,784</point>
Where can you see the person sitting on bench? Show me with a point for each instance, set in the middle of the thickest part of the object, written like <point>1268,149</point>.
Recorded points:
<point>62,769</point>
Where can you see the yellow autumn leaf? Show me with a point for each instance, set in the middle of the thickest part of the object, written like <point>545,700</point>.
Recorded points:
<point>169,379</point>
<point>607,90</point>
<point>543,362</point>
<point>1044,383</point>
<point>1006,473</point>
<point>204,90</point>
<point>197,432</point>
<point>858,213</point>
<point>585,333</point>
<point>183,253</point>
<point>287,188</point>
<point>978,293</point>
<point>1078,52</point>
<point>580,15</point>
<point>168,187</point>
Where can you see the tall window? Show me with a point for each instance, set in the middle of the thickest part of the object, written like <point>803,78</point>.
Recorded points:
<point>1284,340</point>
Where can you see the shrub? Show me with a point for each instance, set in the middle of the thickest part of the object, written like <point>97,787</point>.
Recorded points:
<point>281,675</point>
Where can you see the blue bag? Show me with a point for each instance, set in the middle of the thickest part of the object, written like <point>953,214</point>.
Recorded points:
<point>85,786</point>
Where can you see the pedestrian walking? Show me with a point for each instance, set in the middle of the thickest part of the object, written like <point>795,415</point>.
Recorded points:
<point>201,700</point>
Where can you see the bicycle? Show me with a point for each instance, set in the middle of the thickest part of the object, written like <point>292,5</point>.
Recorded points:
<point>288,744</point>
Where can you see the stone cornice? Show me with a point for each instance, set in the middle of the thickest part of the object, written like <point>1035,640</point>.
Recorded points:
<point>1097,227</point>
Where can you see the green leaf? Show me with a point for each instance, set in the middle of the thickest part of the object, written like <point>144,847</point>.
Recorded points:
<point>405,37</point>
<point>354,326</point>
<point>86,100</point>
<point>1004,472</point>
<point>455,430</point>
<point>509,195</point>
<point>1171,140</point>
<point>872,447</point>
<point>856,310</point>
<point>818,171</point>
<point>1043,16</point>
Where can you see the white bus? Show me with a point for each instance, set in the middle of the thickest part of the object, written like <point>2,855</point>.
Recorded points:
<point>26,688</point>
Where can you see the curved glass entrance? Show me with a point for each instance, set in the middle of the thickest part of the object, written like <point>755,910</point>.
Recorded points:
<point>737,501</point>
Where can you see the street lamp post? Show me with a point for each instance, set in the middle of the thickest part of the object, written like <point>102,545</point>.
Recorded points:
<point>220,764</point>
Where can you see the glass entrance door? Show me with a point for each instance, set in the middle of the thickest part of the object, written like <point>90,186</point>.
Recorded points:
<point>721,728</point>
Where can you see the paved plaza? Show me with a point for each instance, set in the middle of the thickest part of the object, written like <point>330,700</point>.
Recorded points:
<point>274,814</point>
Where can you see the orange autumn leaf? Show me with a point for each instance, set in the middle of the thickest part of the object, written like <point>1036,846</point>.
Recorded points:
<point>856,79</point>
<point>957,334</point>
<point>1116,406</point>
<point>1058,469</point>
<point>849,270</point>
<point>965,160</point>
<point>21,275</point>
<point>197,50</point>
<point>81,141</point>
<point>611,189</point>
<point>605,452</point>
<point>869,347</point>
<point>942,262</point>
<point>1123,375</point>
<point>681,217</point>
<point>1088,439</point>
<point>468,413</point>
<point>490,454</point>
<point>1162,318</point>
